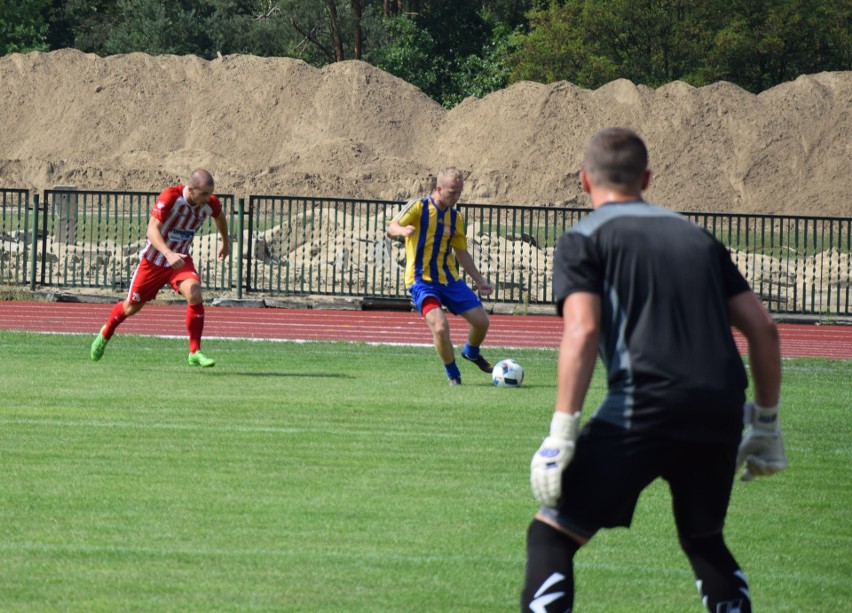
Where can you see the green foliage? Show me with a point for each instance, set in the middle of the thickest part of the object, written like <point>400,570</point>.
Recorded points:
<point>554,49</point>
<point>156,27</point>
<point>252,27</point>
<point>768,42</point>
<point>479,74</point>
<point>753,44</point>
<point>408,54</point>
<point>591,43</point>
<point>197,27</point>
<point>452,50</point>
<point>23,26</point>
<point>341,476</point>
<point>449,54</point>
<point>83,24</point>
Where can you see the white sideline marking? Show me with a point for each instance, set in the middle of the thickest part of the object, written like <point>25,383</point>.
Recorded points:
<point>299,341</point>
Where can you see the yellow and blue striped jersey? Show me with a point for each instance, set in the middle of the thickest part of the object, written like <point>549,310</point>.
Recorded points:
<point>428,252</point>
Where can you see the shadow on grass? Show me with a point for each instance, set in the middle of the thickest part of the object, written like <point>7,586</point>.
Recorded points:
<point>308,375</point>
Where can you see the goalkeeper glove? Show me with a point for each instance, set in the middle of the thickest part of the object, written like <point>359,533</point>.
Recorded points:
<point>552,457</point>
<point>762,446</point>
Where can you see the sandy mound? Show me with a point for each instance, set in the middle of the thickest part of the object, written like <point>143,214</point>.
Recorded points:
<point>279,126</point>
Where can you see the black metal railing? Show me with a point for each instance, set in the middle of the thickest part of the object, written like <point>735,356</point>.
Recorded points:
<point>15,235</point>
<point>291,245</point>
<point>93,239</point>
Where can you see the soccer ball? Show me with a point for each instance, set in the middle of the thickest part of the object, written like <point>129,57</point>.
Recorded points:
<point>507,373</point>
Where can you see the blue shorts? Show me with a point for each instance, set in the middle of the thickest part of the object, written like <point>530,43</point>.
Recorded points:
<point>457,297</point>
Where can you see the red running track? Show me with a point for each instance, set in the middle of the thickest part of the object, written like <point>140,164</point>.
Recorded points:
<point>365,326</point>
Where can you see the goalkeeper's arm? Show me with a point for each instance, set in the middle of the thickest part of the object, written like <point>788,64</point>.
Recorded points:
<point>577,355</point>
<point>762,447</point>
<point>751,318</point>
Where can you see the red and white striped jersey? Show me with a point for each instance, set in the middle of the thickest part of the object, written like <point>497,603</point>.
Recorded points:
<point>180,221</point>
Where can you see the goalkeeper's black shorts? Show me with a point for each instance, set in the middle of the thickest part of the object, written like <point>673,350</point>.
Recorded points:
<point>611,467</point>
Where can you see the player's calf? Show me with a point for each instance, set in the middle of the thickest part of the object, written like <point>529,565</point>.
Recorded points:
<point>549,584</point>
<point>721,583</point>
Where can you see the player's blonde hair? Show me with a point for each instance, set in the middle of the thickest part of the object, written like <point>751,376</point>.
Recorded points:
<point>450,173</point>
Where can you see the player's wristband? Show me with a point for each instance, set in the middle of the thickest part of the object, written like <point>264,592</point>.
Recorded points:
<point>766,418</point>
<point>564,425</point>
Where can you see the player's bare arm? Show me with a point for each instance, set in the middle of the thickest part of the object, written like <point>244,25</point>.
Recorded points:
<point>395,230</point>
<point>749,316</point>
<point>761,449</point>
<point>578,350</point>
<point>222,226</point>
<point>577,354</point>
<point>465,259</point>
<point>155,236</point>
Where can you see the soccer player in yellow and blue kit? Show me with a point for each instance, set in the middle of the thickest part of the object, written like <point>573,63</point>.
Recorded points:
<point>434,239</point>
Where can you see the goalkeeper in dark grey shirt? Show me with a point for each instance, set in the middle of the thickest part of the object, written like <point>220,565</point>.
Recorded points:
<point>655,296</point>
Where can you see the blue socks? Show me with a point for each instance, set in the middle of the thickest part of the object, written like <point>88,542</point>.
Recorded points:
<point>452,370</point>
<point>470,351</point>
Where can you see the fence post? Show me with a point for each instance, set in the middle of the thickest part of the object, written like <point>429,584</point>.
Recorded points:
<point>241,207</point>
<point>33,246</point>
<point>65,199</point>
<point>249,248</point>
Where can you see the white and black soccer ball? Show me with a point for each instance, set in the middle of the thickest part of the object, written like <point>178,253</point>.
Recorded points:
<point>507,373</point>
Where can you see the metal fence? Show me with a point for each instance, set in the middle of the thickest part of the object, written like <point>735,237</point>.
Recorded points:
<point>795,264</point>
<point>285,246</point>
<point>15,235</point>
<point>90,239</point>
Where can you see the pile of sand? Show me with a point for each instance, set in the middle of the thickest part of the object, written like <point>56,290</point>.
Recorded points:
<point>278,126</point>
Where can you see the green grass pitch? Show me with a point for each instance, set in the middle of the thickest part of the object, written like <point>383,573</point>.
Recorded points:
<point>350,477</point>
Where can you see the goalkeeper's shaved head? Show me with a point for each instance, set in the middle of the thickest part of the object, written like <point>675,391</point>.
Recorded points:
<point>616,158</point>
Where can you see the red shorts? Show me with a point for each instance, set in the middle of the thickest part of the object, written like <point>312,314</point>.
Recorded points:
<point>149,279</point>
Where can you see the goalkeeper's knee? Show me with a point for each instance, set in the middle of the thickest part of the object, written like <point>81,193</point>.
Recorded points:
<point>721,583</point>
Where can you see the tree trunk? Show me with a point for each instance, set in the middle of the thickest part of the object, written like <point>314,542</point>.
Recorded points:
<point>395,8</point>
<point>356,29</point>
<point>337,41</point>
<point>312,39</point>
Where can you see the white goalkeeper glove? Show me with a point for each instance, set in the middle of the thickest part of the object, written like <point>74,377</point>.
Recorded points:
<point>762,446</point>
<point>552,457</point>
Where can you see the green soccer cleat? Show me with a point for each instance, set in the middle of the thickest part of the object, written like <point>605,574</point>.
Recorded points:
<point>99,345</point>
<point>199,359</point>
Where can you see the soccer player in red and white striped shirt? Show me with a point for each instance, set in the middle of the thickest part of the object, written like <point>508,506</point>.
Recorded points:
<point>178,214</point>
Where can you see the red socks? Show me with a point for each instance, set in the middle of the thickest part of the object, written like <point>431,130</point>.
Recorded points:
<point>116,316</point>
<point>194,325</point>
